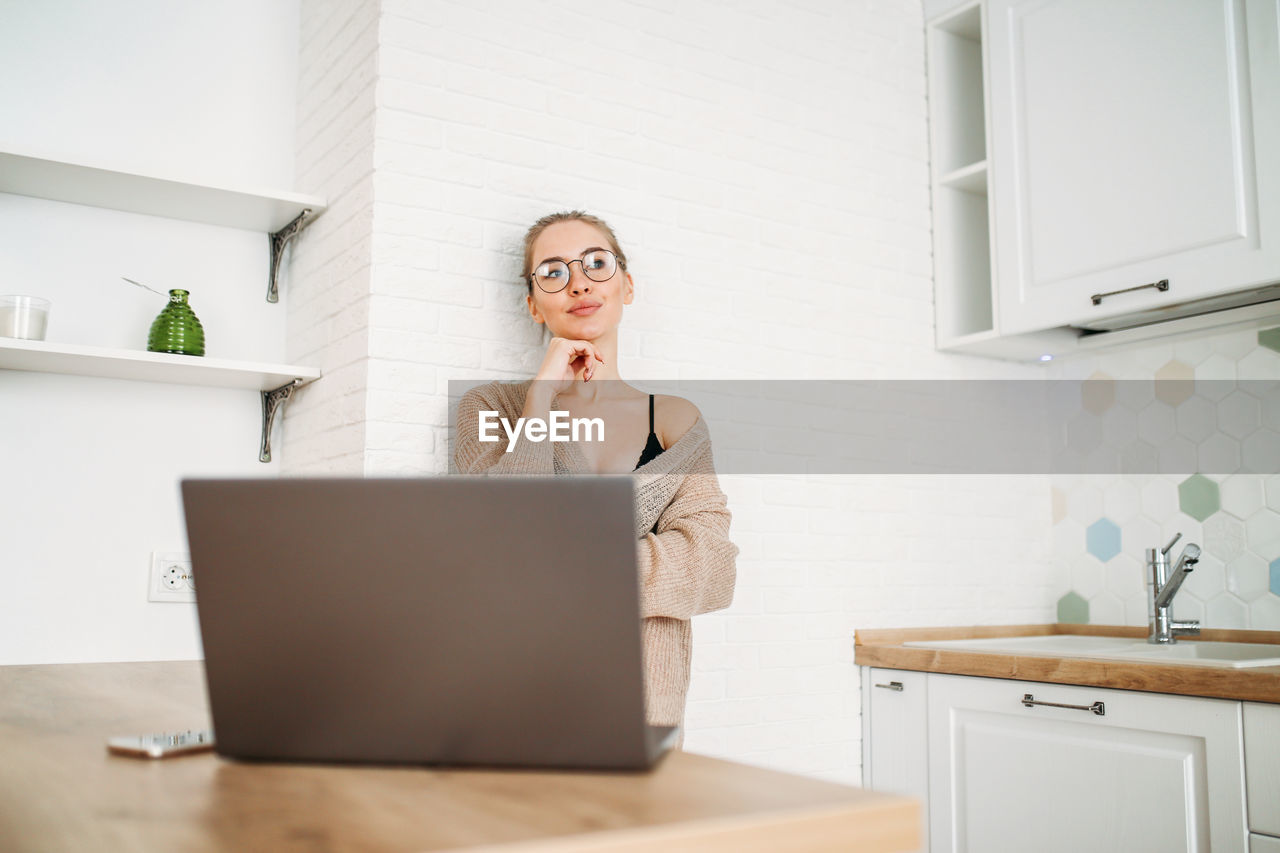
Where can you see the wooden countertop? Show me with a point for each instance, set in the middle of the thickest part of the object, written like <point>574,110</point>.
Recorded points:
<point>61,790</point>
<point>1255,684</point>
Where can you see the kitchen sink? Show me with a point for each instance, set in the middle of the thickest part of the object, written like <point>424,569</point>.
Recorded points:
<point>1206,651</point>
<point>1194,652</point>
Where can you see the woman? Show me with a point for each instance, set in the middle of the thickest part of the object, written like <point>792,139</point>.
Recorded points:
<point>577,281</point>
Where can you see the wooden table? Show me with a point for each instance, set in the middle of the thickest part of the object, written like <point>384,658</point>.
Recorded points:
<point>61,790</point>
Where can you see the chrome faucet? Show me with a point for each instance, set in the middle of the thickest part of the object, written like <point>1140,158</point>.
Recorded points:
<point>1164,585</point>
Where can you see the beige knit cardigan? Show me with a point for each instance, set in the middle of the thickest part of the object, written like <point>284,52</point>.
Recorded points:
<point>685,559</point>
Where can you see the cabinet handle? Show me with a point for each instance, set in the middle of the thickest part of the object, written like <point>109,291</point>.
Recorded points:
<point>1161,285</point>
<point>1097,707</point>
<point>892,685</point>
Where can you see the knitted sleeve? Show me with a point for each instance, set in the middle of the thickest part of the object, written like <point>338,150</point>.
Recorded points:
<point>687,566</point>
<point>473,456</point>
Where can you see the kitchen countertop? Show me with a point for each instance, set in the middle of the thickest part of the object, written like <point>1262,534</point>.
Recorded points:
<point>61,790</point>
<point>884,648</point>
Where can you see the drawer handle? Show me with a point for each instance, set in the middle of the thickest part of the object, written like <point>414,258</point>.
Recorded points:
<point>892,685</point>
<point>1161,285</point>
<point>1097,707</point>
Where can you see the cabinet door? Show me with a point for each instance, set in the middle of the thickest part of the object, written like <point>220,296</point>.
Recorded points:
<point>1264,844</point>
<point>1131,142</point>
<point>1262,766</point>
<point>895,751</point>
<point>1153,772</point>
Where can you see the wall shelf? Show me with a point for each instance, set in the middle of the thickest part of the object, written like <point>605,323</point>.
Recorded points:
<point>253,209</point>
<point>282,215</point>
<point>279,214</point>
<point>46,357</point>
<point>275,383</point>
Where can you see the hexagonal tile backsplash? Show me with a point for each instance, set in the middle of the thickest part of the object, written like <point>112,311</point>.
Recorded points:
<point>1235,519</point>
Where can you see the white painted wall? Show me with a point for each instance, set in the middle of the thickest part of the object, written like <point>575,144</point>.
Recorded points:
<point>151,86</point>
<point>91,466</point>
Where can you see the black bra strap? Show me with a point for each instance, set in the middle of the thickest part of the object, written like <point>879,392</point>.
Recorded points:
<point>650,413</point>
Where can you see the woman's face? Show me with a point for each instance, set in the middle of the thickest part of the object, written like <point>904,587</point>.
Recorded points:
<point>585,310</point>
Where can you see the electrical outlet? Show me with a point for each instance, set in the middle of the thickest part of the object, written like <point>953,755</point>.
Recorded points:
<point>171,577</point>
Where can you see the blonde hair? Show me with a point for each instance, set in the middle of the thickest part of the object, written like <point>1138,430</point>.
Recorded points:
<point>536,229</point>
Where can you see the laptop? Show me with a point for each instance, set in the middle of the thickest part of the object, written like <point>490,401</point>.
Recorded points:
<point>440,620</point>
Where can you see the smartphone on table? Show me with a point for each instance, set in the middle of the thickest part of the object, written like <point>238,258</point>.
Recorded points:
<point>162,745</point>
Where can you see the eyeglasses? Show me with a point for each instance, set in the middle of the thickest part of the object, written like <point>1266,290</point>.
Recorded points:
<point>597,265</point>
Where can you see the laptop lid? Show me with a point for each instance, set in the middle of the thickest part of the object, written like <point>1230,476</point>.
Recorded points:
<point>451,620</point>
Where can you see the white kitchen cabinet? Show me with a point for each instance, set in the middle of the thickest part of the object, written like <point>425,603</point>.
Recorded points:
<point>1130,143</point>
<point>1152,772</point>
<point>1262,767</point>
<point>895,747</point>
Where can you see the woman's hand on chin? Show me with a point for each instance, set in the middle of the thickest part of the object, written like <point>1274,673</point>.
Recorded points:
<point>564,360</point>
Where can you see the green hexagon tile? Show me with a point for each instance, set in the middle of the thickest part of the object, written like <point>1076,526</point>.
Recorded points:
<point>1198,497</point>
<point>1074,609</point>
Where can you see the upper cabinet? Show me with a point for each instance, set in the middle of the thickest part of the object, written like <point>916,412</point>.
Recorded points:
<point>1130,164</point>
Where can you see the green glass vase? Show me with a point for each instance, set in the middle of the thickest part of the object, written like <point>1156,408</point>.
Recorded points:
<point>176,328</point>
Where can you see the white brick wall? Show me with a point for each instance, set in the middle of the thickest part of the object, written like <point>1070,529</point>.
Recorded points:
<point>765,166</point>
<point>328,279</point>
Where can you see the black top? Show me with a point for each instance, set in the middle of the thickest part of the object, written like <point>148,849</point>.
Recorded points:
<point>652,447</point>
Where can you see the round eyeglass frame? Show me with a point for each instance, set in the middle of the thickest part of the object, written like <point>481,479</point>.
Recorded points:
<point>568,275</point>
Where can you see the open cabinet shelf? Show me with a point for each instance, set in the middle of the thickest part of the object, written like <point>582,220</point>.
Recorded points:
<point>964,306</point>
<point>971,178</point>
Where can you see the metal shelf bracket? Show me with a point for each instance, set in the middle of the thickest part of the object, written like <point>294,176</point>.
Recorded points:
<point>273,401</point>
<point>278,241</point>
